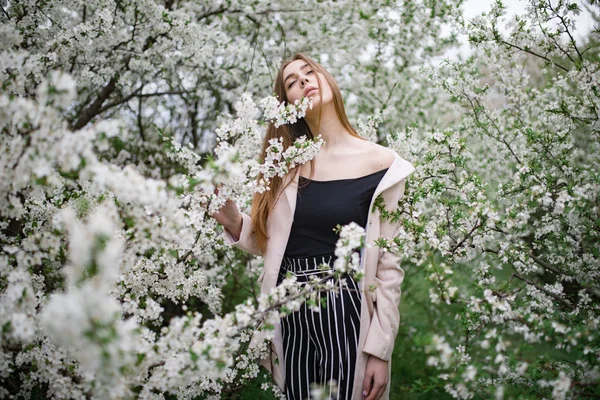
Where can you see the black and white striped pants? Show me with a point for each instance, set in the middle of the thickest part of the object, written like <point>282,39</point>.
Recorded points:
<point>320,346</point>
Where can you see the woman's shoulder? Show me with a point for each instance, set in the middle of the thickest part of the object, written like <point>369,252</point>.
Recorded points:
<point>378,156</point>
<point>385,157</point>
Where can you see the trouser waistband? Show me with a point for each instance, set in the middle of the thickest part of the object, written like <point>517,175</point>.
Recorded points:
<point>305,264</point>
<point>306,267</point>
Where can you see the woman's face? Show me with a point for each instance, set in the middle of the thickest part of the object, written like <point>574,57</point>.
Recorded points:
<point>299,81</point>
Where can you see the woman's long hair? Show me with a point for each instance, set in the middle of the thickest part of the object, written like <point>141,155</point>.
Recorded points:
<point>262,203</point>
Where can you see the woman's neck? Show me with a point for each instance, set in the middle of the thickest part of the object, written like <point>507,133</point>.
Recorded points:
<point>331,129</point>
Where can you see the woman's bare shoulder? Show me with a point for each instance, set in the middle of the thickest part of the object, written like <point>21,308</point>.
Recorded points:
<point>378,156</point>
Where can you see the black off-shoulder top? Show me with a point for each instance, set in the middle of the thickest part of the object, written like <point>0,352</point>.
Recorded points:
<point>321,205</point>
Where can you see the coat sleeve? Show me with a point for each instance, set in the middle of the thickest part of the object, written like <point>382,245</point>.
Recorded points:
<point>389,276</point>
<point>247,239</point>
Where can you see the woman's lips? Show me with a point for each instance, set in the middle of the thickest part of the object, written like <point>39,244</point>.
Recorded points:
<point>310,91</point>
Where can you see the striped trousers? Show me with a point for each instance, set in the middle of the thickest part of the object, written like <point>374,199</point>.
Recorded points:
<point>321,347</point>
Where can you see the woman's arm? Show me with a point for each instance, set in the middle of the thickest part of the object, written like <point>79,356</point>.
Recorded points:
<point>389,276</point>
<point>247,239</point>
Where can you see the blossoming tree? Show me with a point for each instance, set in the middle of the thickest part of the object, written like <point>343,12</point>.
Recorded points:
<point>119,118</point>
<point>504,212</point>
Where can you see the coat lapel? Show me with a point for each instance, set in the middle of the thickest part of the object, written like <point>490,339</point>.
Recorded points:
<point>291,192</point>
<point>398,171</point>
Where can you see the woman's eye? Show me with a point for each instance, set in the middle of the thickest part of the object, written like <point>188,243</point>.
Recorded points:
<point>290,85</point>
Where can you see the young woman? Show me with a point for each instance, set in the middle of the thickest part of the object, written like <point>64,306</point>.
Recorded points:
<point>350,341</point>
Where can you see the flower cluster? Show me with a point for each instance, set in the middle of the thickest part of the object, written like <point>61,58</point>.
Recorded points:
<point>237,170</point>
<point>279,161</point>
<point>280,113</point>
<point>352,237</point>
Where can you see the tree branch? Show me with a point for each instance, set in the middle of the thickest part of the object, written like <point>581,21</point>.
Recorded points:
<point>554,296</point>
<point>534,54</point>
<point>93,109</point>
<point>139,95</point>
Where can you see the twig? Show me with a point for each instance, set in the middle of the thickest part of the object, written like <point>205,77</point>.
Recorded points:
<point>533,53</point>
<point>554,296</point>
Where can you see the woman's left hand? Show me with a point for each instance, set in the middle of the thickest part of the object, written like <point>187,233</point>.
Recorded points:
<point>376,378</point>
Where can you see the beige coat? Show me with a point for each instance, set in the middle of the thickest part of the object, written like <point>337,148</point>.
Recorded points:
<point>380,317</point>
